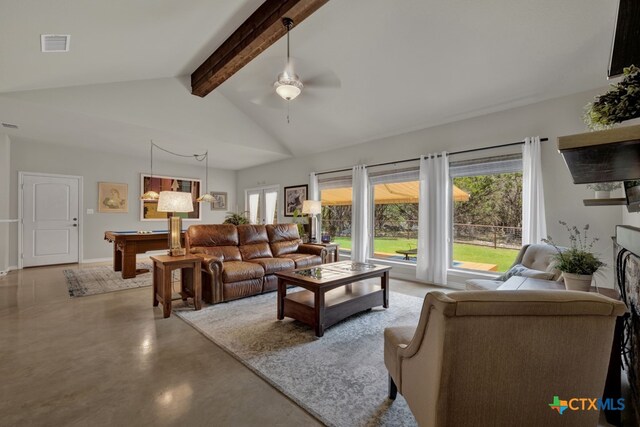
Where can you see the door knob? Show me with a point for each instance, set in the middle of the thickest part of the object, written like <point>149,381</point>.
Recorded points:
<point>75,225</point>
<point>75,219</point>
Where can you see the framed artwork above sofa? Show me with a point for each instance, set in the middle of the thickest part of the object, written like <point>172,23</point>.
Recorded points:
<point>158,183</point>
<point>293,198</point>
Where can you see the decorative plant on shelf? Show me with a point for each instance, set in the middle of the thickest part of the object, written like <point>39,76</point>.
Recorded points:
<point>621,103</point>
<point>236,218</point>
<point>603,189</point>
<point>577,263</point>
<point>297,216</point>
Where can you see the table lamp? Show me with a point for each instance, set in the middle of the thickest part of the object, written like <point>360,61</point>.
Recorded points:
<point>313,208</point>
<point>173,202</point>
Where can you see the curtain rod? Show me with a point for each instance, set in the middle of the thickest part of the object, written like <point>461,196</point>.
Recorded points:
<point>472,150</point>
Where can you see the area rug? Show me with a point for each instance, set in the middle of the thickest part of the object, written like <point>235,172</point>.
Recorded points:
<point>339,378</point>
<point>99,280</point>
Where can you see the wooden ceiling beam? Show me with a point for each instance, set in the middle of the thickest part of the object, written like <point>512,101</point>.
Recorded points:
<point>262,29</point>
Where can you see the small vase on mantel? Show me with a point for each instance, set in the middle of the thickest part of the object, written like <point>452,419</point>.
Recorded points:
<point>577,282</point>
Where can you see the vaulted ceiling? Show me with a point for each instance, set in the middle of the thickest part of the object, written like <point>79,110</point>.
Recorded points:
<point>401,65</point>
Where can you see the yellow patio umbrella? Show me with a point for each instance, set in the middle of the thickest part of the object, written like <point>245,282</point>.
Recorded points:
<point>385,194</point>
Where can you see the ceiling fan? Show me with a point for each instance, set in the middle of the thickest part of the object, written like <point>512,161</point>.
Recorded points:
<point>288,85</point>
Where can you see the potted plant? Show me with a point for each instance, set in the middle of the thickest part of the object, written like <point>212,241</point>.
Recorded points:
<point>236,218</point>
<point>577,263</point>
<point>621,103</point>
<point>603,189</point>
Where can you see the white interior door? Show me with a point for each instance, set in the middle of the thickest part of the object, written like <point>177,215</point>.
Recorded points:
<point>262,205</point>
<point>50,220</point>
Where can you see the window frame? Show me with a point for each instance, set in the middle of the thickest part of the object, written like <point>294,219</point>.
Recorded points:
<point>508,167</point>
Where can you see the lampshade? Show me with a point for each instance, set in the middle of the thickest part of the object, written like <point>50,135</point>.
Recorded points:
<point>206,198</point>
<point>288,87</point>
<point>149,196</point>
<point>312,207</point>
<point>175,201</point>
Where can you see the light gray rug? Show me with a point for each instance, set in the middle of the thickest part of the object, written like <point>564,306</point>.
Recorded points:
<point>339,378</point>
<point>99,280</point>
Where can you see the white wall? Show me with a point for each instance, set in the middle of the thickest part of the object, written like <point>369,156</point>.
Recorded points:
<point>96,166</point>
<point>549,119</point>
<point>5,153</point>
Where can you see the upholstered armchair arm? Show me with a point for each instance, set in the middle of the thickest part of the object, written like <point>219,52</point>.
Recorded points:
<point>305,248</point>
<point>428,327</point>
<point>428,306</point>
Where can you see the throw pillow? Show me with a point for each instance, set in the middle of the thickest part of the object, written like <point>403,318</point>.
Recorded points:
<point>521,270</point>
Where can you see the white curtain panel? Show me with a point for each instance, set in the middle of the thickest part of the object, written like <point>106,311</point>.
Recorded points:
<point>270,201</point>
<point>534,224</point>
<point>314,194</point>
<point>254,199</point>
<point>360,214</point>
<point>434,219</point>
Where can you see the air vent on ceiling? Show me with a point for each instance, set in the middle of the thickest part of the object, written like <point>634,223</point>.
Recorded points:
<point>54,42</point>
<point>9,126</point>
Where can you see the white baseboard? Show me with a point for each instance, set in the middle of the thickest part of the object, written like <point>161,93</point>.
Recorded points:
<point>10,268</point>
<point>92,260</point>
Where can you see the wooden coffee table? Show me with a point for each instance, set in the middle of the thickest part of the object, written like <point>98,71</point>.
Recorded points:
<point>332,292</point>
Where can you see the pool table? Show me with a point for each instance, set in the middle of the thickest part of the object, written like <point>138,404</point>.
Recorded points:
<point>127,244</point>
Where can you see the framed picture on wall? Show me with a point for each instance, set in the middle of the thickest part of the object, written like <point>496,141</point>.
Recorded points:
<point>148,208</point>
<point>293,198</point>
<point>113,197</point>
<point>220,201</point>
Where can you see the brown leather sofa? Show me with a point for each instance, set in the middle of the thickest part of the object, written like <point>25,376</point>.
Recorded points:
<point>240,261</point>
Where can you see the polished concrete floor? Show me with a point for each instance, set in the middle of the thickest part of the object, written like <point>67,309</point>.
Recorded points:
<point>112,359</point>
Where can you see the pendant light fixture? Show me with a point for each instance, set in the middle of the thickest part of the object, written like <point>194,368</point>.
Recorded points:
<point>288,86</point>
<point>206,197</point>
<point>150,195</point>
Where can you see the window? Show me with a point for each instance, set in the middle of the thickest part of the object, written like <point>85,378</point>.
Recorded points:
<point>261,205</point>
<point>395,214</point>
<point>487,213</point>
<point>337,198</point>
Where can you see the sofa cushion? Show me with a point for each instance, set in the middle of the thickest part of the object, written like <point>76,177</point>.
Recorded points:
<point>303,260</point>
<point>283,238</point>
<point>213,235</point>
<point>259,250</point>
<point>273,265</point>
<point>284,248</point>
<point>215,240</point>
<point>483,285</point>
<point>249,234</point>
<point>236,271</point>
<point>522,271</point>
<point>242,289</point>
<point>223,253</point>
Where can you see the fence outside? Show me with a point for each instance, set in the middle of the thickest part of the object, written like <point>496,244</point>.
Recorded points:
<point>495,236</point>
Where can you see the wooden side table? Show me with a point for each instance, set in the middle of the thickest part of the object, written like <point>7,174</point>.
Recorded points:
<point>190,280</point>
<point>329,253</point>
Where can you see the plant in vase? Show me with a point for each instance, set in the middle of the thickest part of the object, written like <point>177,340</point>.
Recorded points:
<point>236,218</point>
<point>621,103</point>
<point>297,217</point>
<point>577,263</point>
<point>603,189</point>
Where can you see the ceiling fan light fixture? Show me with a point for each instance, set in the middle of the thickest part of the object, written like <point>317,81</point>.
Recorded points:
<point>288,87</point>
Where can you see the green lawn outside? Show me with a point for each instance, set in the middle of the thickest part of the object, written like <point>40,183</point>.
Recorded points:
<point>503,258</point>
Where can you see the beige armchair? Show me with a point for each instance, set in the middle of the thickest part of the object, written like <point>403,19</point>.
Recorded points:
<point>537,260</point>
<point>498,358</point>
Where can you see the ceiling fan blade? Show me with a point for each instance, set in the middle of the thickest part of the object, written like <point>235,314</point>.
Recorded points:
<point>326,80</point>
<point>270,100</point>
